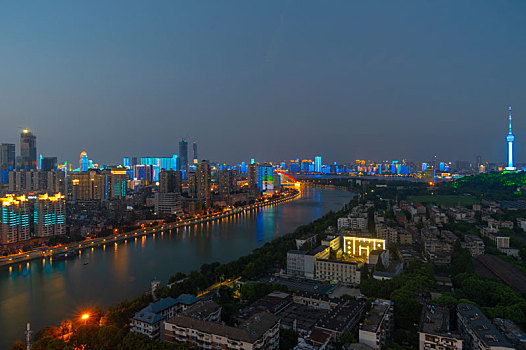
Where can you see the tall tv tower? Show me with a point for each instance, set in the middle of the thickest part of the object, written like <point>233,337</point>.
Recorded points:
<point>510,138</point>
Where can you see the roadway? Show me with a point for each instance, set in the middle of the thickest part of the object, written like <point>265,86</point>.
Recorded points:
<point>71,248</point>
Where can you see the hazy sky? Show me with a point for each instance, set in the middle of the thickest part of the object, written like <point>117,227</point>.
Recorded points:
<point>271,80</point>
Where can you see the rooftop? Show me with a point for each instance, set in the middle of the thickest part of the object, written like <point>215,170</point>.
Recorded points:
<point>161,305</point>
<point>482,326</point>
<point>434,319</point>
<point>187,299</point>
<point>147,316</point>
<point>317,250</point>
<point>202,309</point>
<point>338,319</point>
<point>249,331</point>
<point>374,317</point>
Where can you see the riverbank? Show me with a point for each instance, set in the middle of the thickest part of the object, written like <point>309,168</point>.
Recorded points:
<point>245,246</point>
<point>62,252</point>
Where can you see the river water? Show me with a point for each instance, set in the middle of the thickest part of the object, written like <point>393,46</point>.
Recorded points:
<point>45,293</point>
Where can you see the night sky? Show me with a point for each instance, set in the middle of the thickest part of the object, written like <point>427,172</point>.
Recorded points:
<point>274,80</point>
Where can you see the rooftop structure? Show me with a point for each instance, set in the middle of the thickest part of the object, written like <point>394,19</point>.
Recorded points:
<point>434,329</point>
<point>377,326</point>
<point>478,330</point>
<point>261,331</point>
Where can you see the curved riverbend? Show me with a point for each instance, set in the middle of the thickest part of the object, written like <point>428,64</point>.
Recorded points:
<point>45,293</point>
<point>73,248</point>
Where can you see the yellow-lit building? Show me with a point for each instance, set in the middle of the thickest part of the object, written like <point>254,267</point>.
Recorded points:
<point>49,215</point>
<point>35,216</point>
<point>86,186</point>
<point>361,247</point>
<point>15,219</point>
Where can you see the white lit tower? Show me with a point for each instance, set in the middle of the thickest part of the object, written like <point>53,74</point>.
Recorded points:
<point>510,139</point>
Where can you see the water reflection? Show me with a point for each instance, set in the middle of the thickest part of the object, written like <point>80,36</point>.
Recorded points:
<point>46,291</point>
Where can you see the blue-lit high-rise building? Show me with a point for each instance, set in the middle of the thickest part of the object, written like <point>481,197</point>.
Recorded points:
<point>317,164</point>
<point>265,177</point>
<point>510,139</point>
<point>183,155</point>
<point>84,161</point>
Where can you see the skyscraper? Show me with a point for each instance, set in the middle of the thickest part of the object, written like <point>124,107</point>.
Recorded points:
<point>83,161</point>
<point>317,164</point>
<point>48,163</point>
<point>252,175</point>
<point>203,177</point>
<point>196,158</point>
<point>510,139</point>
<point>170,181</point>
<point>7,156</point>
<point>265,177</point>
<point>183,154</point>
<point>28,150</point>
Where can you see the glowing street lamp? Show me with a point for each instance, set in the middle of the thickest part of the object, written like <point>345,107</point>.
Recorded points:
<point>85,317</point>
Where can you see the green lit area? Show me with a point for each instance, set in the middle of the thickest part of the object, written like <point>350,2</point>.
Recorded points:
<point>507,185</point>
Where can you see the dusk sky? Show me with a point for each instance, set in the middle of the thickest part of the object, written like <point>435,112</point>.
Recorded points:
<point>272,80</point>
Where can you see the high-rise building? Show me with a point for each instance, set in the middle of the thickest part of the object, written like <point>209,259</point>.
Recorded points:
<point>48,163</point>
<point>7,156</point>
<point>28,150</point>
<point>192,184</point>
<point>196,158</point>
<point>252,175</point>
<point>115,180</point>
<point>28,181</point>
<point>510,138</point>
<point>265,177</point>
<point>85,186</point>
<point>56,181</point>
<point>227,183</point>
<point>49,215</point>
<point>317,164</point>
<point>15,219</point>
<point>24,217</point>
<point>203,177</point>
<point>170,181</point>
<point>183,155</point>
<point>83,161</point>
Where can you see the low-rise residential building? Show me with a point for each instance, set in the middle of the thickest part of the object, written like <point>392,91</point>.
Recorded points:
<point>261,331</point>
<point>206,310</point>
<point>302,263</point>
<point>296,262</point>
<point>514,334</point>
<point>315,301</point>
<point>434,332</point>
<point>478,331</point>
<point>343,318</point>
<point>377,328</point>
<point>148,321</point>
<point>355,221</point>
<point>346,272</point>
<point>388,233</point>
<point>474,244</point>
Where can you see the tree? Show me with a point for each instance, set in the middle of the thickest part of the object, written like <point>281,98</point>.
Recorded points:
<point>288,339</point>
<point>18,345</point>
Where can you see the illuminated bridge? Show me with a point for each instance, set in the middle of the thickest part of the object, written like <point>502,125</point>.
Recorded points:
<point>286,179</point>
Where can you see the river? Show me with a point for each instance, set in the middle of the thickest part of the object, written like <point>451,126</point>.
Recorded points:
<point>45,293</point>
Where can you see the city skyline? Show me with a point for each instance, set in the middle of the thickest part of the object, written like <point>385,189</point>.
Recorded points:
<point>366,84</point>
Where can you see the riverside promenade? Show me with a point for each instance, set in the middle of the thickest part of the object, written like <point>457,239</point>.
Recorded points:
<point>63,251</point>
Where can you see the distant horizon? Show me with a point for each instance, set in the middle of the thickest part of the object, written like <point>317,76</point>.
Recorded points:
<point>267,80</point>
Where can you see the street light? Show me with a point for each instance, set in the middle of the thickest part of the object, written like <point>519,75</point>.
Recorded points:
<point>85,317</point>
